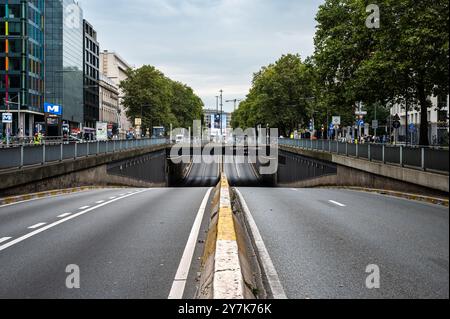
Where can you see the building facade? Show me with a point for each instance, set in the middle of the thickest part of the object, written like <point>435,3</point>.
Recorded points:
<point>22,64</point>
<point>64,37</point>
<point>213,119</point>
<point>109,104</point>
<point>438,121</point>
<point>91,73</point>
<point>116,68</point>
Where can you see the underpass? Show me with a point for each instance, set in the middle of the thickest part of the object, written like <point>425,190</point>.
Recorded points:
<point>130,242</point>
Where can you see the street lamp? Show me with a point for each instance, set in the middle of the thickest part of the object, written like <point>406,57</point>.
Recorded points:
<point>221,114</point>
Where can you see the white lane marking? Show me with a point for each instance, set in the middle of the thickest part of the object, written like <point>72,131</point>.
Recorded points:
<point>100,201</point>
<point>179,282</point>
<point>37,226</point>
<point>113,197</point>
<point>337,203</point>
<point>40,230</point>
<point>237,168</point>
<point>84,207</point>
<point>271,273</point>
<point>52,196</point>
<point>64,215</point>
<point>2,240</point>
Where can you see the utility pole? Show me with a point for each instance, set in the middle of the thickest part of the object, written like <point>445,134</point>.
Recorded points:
<point>407,121</point>
<point>217,104</point>
<point>221,114</point>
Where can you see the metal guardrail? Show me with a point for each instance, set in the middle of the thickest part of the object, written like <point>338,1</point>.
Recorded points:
<point>423,158</point>
<point>22,156</point>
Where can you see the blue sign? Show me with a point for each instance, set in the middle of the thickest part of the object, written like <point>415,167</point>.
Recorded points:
<point>53,109</point>
<point>361,123</point>
<point>412,128</point>
<point>7,118</point>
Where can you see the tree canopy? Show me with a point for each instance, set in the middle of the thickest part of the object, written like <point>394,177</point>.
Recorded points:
<point>405,60</point>
<point>279,96</point>
<point>158,100</point>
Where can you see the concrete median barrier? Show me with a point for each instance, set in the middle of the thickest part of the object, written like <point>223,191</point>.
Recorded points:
<point>228,270</point>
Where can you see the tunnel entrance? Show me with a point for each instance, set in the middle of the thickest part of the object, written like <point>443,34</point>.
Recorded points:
<point>208,175</point>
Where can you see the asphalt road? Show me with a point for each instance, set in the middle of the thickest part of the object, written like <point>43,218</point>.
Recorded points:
<point>129,248</point>
<point>240,173</point>
<point>322,240</point>
<point>203,174</point>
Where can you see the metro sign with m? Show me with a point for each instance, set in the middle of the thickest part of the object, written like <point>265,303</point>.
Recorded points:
<point>53,109</point>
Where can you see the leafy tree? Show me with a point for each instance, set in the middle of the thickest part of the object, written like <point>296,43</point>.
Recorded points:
<point>278,97</point>
<point>405,61</point>
<point>158,100</point>
<point>186,106</point>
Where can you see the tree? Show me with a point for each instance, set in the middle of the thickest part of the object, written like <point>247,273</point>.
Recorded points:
<point>404,61</point>
<point>158,100</point>
<point>186,106</point>
<point>278,97</point>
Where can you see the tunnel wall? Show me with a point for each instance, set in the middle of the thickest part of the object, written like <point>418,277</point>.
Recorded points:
<point>103,170</point>
<point>304,171</point>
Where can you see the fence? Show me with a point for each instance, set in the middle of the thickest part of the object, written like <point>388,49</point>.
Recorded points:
<point>21,156</point>
<point>424,158</point>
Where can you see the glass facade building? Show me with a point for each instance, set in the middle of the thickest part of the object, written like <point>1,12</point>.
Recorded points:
<point>91,76</point>
<point>64,38</point>
<point>22,63</point>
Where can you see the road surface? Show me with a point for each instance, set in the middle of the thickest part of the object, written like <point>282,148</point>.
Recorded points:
<point>203,174</point>
<point>129,248</point>
<point>322,240</point>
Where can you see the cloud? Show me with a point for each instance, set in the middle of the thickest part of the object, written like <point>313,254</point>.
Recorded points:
<point>208,44</point>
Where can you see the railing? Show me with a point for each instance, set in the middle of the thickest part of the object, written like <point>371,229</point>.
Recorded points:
<point>423,158</point>
<point>22,156</point>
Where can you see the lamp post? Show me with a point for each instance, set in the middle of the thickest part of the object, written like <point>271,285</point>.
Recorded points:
<point>221,114</point>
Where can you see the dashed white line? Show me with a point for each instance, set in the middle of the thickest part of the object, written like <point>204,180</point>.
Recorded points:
<point>40,230</point>
<point>113,197</point>
<point>64,215</point>
<point>37,226</point>
<point>337,203</point>
<point>2,240</point>
<point>181,277</point>
<point>100,202</point>
<point>84,207</point>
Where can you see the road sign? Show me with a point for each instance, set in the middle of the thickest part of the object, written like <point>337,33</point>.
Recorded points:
<point>138,122</point>
<point>396,124</point>
<point>360,123</point>
<point>361,113</point>
<point>397,118</point>
<point>375,124</point>
<point>101,131</point>
<point>412,127</point>
<point>7,118</point>
<point>53,109</point>
<point>336,120</point>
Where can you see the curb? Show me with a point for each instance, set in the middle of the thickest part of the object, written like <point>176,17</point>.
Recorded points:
<point>224,266</point>
<point>416,197</point>
<point>21,198</point>
<point>228,281</point>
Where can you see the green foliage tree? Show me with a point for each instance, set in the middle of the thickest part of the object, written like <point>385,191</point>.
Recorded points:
<point>279,96</point>
<point>159,101</point>
<point>404,61</point>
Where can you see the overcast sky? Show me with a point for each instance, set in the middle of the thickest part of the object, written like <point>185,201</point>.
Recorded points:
<point>207,44</point>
